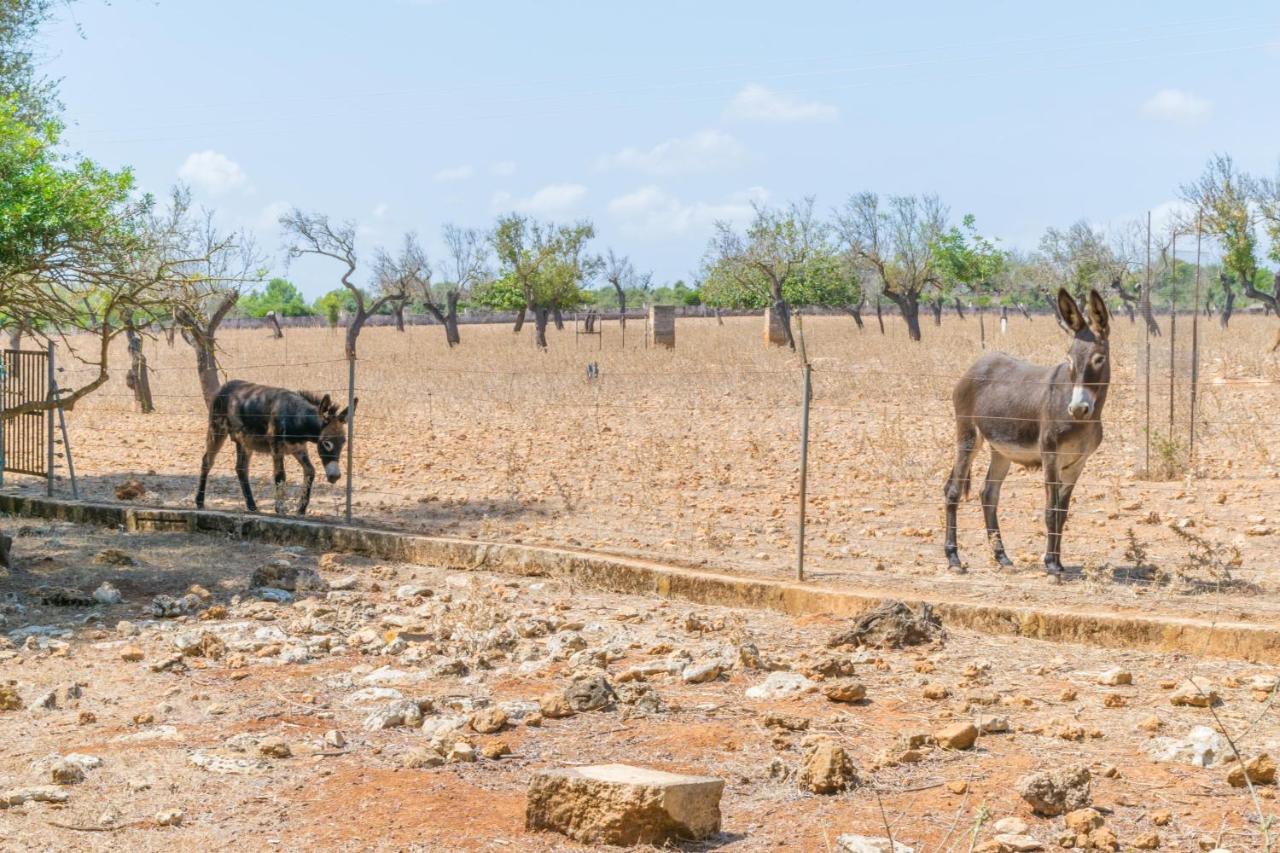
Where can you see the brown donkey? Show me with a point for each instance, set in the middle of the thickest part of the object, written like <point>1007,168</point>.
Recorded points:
<point>259,418</point>
<point>1048,417</point>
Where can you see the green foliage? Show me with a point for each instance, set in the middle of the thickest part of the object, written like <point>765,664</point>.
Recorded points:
<point>545,263</point>
<point>964,258</point>
<point>279,296</point>
<point>501,294</point>
<point>335,302</point>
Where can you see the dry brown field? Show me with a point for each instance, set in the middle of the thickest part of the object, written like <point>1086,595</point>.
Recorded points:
<point>691,455</point>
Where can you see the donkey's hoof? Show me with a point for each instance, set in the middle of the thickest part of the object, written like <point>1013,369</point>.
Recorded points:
<point>1003,559</point>
<point>954,564</point>
<point>1054,570</point>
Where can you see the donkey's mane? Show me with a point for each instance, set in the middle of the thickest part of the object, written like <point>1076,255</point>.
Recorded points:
<point>314,399</point>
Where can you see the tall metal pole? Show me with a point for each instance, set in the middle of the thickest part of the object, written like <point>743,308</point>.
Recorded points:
<point>1147,360</point>
<point>351,427</point>
<point>1173,324</point>
<point>48,488</point>
<point>806,390</point>
<point>1195,353</point>
<point>66,438</point>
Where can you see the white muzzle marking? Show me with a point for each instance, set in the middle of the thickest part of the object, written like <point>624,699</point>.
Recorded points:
<point>1082,402</point>
<point>332,471</point>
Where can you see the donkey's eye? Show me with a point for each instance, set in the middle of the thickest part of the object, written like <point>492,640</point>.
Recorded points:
<point>326,445</point>
<point>1098,361</point>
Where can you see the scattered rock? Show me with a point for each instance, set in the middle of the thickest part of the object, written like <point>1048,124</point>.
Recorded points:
<point>131,654</point>
<point>1011,826</point>
<point>287,575</point>
<point>869,844</point>
<point>554,706</point>
<point>335,739</point>
<point>10,700</point>
<point>166,606</point>
<point>488,721</point>
<point>1261,770</point>
<point>113,557</point>
<point>589,694</point>
<point>274,747</point>
<point>33,794</point>
<point>1146,841</point>
<point>780,684</point>
<point>623,805</point>
<point>1016,843</point>
<point>106,593</point>
<point>1202,747</point>
<point>66,773</point>
<point>1083,821</point>
<point>1194,692</point>
<point>1056,792</point>
<point>700,673</point>
<point>421,758</point>
<point>495,749</point>
<point>1115,677</point>
<point>169,817</point>
<point>957,736</point>
<point>845,691</point>
<point>827,768</point>
<point>130,490</point>
<point>402,712</point>
<point>892,625</point>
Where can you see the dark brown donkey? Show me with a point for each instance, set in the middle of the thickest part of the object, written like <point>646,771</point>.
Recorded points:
<point>262,419</point>
<point>1048,417</point>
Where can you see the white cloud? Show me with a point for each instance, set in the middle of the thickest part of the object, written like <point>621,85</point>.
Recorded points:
<point>551,200</point>
<point>455,173</point>
<point>503,168</point>
<point>1176,105</point>
<point>653,213</point>
<point>380,209</point>
<point>213,172</point>
<point>758,103</point>
<point>704,151</point>
<point>269,216</point>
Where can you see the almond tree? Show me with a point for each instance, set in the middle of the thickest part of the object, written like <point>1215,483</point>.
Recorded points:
<point>895,241</point>
<point>1222,196</point>
<point>619,272</point>
<point>315,234</point>
<point>466,267</point>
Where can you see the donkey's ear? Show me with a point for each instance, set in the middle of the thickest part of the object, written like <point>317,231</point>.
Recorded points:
<point>1099,316</point>
<point>326,405</point>
<point>342,416</point>
<point>1069,311</point>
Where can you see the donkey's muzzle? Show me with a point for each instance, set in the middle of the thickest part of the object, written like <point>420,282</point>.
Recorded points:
<point>1081,404</point>
<point>332,472</point>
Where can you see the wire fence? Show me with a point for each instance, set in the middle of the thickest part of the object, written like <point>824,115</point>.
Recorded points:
<point>694,455</point>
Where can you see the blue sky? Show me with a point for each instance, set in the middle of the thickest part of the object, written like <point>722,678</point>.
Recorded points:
<point>654,119</point>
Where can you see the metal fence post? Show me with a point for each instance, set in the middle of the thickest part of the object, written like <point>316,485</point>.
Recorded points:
<point>805,392</point>
<point>62,422</point>
<point>1195,354</point>
<point>351,424</point>
<point>52,381</point>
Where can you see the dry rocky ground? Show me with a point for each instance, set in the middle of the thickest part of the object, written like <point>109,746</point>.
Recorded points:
<point>690,455</point>
<point>379,706</point>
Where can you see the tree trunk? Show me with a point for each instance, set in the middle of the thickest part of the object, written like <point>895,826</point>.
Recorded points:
<point>559,320</point>
<point>936,305</point>
<point>959,308</point>
<point>909,305</point>
<point>1025,312</point>
<point>622,305</point>
<point>540,317</point>
<point>879,315</point>
<point>398,310</point>
<point>1228,303</point>
<point>451,318</point>
<point>855,311</point>
<point>719,319</point>
<point>1144,304</point>
<point>277,332</point>
<point>138,378</point>
<point>783,311</point>
<point>1268,300</point>
<point>520,319</point>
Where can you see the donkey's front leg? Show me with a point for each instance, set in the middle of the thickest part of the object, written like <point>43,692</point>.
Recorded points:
<point>1059,483</point>
<point>991,503</point>
<point>308,477</point>
<point>277,460</point>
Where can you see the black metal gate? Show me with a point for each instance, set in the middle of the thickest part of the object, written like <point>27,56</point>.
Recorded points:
<point>27,438</point>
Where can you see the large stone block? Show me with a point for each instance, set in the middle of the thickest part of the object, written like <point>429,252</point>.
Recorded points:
<point>621,804</point>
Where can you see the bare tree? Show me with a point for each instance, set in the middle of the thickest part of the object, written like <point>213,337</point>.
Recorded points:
<point>619,272</point>
<point>315,234</point>
<point>467,259</point>
<point>896,242</point>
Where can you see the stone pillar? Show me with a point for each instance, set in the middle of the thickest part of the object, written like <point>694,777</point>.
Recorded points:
<point>775,334</point>
<point>662,326</point>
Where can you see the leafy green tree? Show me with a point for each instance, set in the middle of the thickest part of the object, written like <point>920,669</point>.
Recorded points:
<point>1222,195</point>
<point>965,259</point>
<point>547,264</point>
<point>279,296</point>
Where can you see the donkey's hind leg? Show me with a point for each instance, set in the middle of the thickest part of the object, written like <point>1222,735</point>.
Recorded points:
<point>967,443</point>
<point>212,444</point>
<point>308,477</point>
<point>991,502</point>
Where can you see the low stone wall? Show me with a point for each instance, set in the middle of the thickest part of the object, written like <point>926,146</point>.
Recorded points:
<point>1200,637</point>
